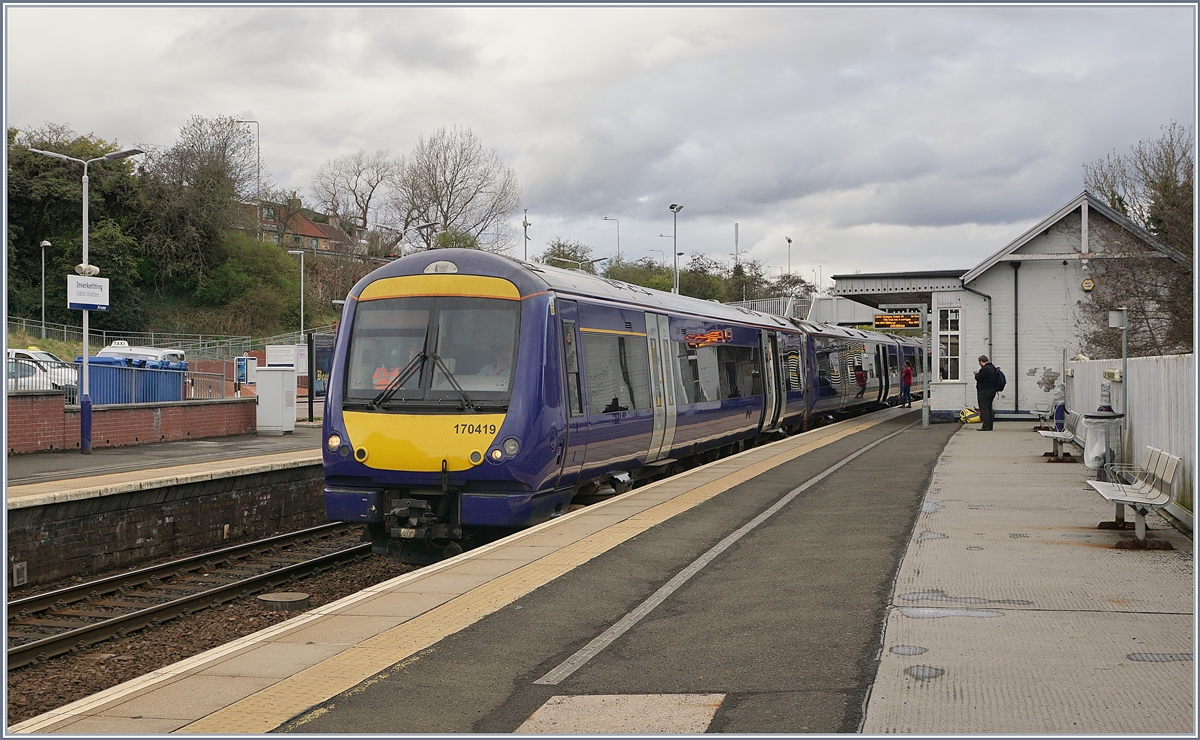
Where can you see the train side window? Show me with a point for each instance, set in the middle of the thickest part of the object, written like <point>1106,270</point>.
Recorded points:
<point>739,374</point>
<point>618,372</point>
<point>688,377</point>
<point>571,359</point>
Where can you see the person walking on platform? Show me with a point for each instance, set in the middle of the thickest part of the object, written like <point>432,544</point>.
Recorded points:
<point>906,385</point>
<point>860,377</point>
<point>985,387</point>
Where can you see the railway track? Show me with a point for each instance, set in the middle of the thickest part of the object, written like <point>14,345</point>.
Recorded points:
<point>71,619</point>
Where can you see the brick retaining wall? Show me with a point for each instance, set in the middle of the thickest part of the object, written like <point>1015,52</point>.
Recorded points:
<point>37,421</point>
<point>92,535</point>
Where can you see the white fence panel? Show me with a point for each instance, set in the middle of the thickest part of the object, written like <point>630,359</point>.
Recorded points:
<point>1162,411</point>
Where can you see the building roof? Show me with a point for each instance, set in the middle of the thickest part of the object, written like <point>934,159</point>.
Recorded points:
<point>333,233</point>
<point>1093,203</point>
<point>897,288</point>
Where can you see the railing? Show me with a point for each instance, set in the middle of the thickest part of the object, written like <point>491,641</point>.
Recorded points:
<point>112,384</point>
<point>195,346</point>
<point>777,306</point>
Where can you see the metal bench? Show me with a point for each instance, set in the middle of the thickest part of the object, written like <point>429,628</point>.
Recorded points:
<point>1067,435</point>
<point>1045,415</point>
<point>1142,487</point>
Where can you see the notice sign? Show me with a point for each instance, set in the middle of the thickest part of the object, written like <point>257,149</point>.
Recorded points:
<point>281,355</point>
<point>898,321</point>
<point>87,293</point>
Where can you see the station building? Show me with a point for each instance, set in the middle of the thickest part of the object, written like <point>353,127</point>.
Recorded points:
<point>1020,306</point>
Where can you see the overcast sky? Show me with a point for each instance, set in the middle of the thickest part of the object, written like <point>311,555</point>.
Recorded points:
<point>877,138</point>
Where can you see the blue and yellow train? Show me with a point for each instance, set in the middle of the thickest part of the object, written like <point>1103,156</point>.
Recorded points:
<point>471,395</point>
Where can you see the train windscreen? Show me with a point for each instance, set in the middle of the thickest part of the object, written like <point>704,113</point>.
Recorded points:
<point>432,350</point>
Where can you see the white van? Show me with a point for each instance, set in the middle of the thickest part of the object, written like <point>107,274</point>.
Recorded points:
<point>121,348</point>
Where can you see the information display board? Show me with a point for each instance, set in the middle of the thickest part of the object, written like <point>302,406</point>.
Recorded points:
<point>898,321</point>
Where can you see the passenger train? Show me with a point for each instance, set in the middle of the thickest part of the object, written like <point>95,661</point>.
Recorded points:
<point>471,394</point>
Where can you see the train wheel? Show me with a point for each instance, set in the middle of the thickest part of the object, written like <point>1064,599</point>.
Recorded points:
<point>451,550</point>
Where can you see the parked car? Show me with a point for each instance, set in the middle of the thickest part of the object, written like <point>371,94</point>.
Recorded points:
<point>37,369</point>
<point>121,348</point>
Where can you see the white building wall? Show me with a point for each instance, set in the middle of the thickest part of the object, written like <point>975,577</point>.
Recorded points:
<point>1047,324</point>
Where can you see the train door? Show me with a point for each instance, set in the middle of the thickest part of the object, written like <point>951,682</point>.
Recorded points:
<point>881,369</point>
<point>662,384</point>
<point>771,385</point>
<point>572,444</point>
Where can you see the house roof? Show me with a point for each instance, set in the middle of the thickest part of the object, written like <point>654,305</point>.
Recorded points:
<point>301,225</point>
<point>334,234</point>
<point>1093,203</point>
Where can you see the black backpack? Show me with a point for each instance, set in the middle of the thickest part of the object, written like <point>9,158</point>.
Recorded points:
<point>1000,380</point>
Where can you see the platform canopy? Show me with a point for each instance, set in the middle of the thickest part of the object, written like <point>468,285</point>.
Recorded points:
<point>896,288</point>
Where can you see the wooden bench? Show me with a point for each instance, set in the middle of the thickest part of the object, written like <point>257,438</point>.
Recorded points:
<point>1143,487</point>
<point>1066,435</point>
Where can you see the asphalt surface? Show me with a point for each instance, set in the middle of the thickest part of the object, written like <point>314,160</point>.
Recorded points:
<point>40,467</point>
<point>786,623</point>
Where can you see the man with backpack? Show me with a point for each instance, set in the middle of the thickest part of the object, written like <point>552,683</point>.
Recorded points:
<point>986,386</point>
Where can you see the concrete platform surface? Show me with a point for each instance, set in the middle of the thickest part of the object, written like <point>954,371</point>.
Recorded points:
<point>1009,613</point>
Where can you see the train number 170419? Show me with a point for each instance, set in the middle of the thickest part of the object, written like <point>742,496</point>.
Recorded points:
<point>474,428</point>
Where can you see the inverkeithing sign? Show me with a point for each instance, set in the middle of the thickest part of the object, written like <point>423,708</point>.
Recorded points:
<point>85,293</point>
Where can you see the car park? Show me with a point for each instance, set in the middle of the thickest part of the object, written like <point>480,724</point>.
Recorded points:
<point>36,369</point>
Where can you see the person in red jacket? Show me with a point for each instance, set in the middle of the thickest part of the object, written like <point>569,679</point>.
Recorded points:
<point>906,385</point>
<point>860,377</point>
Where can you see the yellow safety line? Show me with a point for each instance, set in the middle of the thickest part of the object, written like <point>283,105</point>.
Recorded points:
<point>270,707</point>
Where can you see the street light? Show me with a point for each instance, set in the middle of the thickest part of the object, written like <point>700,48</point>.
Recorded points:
<point>301,253</point>
<point>85,400</point>
<point>675,209</point>
<point>663,260</point>
<point>525,229</point>
<point>258,163</point>
<point>789,241</point>
<point>618,223</point>
<point>44,245</point>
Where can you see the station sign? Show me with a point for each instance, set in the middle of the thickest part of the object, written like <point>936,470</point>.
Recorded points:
<point>87,293</point>
<point>898,321</point>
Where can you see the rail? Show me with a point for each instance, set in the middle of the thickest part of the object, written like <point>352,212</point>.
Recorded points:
<point>46,625</point>
<point>113,384</point>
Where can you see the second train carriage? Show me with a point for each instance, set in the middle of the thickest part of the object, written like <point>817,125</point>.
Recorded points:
<point>471,394</point>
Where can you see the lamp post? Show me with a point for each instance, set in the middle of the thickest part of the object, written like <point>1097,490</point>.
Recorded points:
<point>258,170</point>
<point>618,223</point>
<point>525,229</point>
<point>44,245</point>
<point>83,268</point>
<point>675,209</point>
<point>301,253</point>
<point>789,241</point>
<point>1119,319</point>
<point>662,259</point>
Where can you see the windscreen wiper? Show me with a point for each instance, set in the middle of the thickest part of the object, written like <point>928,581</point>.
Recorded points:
<point>386,394</point>
<point>453,382</point>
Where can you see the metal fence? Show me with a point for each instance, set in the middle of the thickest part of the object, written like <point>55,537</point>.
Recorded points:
<point>112,384</point>
<point>1162,411</point>
<point>782,306</point>
<point>195,346</point>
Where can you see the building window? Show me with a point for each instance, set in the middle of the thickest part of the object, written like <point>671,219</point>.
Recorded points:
<point>313,243</point>
<point>948,344</point>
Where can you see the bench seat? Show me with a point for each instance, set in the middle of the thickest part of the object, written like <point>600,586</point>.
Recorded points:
<point>1066,435</point>
<point>1143,489</point>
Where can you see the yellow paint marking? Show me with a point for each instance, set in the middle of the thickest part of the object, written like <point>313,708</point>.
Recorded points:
<point>267,709</point>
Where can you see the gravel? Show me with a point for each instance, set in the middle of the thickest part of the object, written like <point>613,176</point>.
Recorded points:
<point>41,687</point>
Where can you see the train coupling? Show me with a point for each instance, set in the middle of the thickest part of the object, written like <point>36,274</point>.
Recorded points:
<point>414,519</point>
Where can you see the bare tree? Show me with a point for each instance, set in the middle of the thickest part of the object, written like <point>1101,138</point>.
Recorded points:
<point>189,193</point>
<point>1152,186</point>
<point>349,186</point>
<point>450,180</point>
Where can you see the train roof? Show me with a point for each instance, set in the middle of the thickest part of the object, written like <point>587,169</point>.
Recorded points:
<point>535,277</point>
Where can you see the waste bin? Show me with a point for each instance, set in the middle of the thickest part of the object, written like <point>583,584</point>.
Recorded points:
<point>1102,436</point>
<point>110,380</point>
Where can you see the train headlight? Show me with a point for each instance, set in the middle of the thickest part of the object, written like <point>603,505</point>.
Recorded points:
<point>476,457</point>
<point>497,455</point>
<point>334,442</point>
<point>511,446</point>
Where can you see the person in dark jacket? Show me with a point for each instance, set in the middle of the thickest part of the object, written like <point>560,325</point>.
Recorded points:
<point>985,387</point>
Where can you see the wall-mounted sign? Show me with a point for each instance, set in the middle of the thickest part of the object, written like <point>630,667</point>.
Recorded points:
<point>1087,284</point>
<point>898,321</point>
<point>87,293</point>
<point>281,355</point>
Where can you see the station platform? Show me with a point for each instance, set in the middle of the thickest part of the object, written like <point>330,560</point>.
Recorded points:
<point>869,576</point>
<point>41,478</point>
